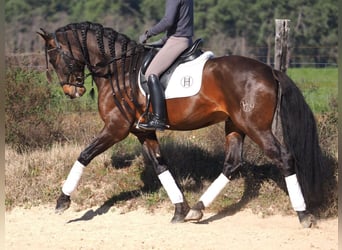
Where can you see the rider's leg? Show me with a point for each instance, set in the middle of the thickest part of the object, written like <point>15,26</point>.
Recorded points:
<point>173,47</point>
<point>158,105</point>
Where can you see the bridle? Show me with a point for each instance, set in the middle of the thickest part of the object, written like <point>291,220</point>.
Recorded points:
<point>73,65</point>
<point>108,68</point>
<point>76,65</point>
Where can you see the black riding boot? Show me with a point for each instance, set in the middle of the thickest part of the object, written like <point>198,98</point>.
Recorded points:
<point>158,105</point>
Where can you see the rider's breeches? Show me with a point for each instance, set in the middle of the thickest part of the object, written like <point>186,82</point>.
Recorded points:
<point>173,47</point>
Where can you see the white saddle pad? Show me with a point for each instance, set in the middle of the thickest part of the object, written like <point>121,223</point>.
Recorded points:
<point>186,80</point>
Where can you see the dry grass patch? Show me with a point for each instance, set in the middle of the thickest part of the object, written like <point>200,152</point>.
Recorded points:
<point>121,177</point>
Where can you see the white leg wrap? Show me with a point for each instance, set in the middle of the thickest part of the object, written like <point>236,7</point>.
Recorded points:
<point>295,193</point>
<point>171,187</point>
<point>214,190</point>
<point>73,178</point>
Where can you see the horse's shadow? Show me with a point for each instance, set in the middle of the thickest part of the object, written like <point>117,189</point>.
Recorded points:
<point>199,166</point>
<point>254,176</point>
<point>105,207</point>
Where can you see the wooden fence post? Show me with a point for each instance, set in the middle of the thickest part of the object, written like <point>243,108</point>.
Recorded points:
<point>281,55</point>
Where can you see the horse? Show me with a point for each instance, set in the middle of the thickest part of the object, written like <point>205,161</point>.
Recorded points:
<point>249,96</point>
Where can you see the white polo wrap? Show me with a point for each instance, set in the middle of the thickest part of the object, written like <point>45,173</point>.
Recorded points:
<point>214,190</point>
<point>295,193</point>
<point>73,178</point>
<point>171,187</point>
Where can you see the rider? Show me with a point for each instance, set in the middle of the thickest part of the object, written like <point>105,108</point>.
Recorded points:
<point>178,25</point>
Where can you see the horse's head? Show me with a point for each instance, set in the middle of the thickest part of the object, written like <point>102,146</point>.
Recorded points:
<point>67,64</point>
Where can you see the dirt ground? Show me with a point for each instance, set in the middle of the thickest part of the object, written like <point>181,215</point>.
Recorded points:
<point>40,228</point>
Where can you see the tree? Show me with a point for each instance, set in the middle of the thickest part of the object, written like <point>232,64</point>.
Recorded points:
<point>244,27</point>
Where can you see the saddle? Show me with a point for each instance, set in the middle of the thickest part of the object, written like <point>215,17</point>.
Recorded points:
<point>189,54</point>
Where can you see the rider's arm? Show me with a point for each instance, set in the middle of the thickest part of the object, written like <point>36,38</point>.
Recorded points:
<point>168,20</point>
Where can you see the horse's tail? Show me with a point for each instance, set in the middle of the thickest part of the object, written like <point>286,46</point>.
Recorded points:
<point>301,139</point>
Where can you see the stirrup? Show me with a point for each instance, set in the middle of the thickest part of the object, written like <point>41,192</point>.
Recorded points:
<point>154,124</point>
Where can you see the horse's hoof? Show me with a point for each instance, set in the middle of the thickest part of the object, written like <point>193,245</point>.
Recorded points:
<point>63,203</point>
<point>306,219</point>
<point>181,210</point>
<point>177,218</point>
<point>193,215</point>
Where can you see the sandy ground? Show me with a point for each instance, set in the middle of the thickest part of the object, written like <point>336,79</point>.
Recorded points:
<point>40,228</point>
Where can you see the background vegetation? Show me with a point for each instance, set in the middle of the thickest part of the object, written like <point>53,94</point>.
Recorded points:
<point>244,27</point>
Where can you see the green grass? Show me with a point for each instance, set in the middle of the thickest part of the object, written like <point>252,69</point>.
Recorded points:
<point>319,86</point>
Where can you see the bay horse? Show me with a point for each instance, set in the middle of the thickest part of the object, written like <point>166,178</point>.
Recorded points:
<point>250,97</point>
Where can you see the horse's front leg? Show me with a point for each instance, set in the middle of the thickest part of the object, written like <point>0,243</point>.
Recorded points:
<point>151,147</point>
<point>105,140</point>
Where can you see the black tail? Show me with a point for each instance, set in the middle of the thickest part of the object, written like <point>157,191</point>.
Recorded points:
<point>301,138</point>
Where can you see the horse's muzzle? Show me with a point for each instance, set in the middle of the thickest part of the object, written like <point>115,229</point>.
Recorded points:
<point>74,91</point>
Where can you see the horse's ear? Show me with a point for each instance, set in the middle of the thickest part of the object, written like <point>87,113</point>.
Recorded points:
<point>44,34</point>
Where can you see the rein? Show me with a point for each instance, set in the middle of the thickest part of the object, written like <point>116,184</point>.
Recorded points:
<point>114,59</point>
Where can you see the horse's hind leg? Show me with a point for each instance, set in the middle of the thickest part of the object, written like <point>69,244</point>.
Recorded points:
<point>285,162</point>
<point>152,150</point>
<point>233,159</point>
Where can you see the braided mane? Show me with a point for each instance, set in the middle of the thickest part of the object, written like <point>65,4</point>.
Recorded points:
<point>87,26</point>
<point>118,63</point>
<point>98,28</point>
<point>100,32</point>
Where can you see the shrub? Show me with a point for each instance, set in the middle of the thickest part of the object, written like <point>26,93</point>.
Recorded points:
<point>29,122</point>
